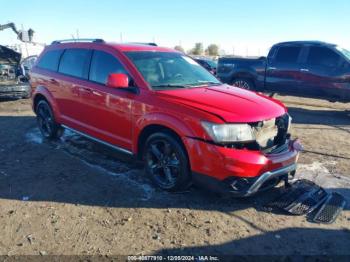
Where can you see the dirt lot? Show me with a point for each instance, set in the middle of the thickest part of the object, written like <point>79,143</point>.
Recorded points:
<point>76,197</point>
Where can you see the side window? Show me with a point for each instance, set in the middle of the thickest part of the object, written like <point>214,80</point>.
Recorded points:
<point>322,56</point>
<point>75,62</point>
<point>50,60</point>
<point>102,65</point>
<point>272,52</point>
<point>288,54</point>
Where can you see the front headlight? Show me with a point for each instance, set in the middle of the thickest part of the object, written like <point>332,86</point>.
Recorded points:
<point>226,133</point>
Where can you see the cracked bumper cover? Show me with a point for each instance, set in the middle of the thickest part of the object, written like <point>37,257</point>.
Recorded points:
<point>268,173</point>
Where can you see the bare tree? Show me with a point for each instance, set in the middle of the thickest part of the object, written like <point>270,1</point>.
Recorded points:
<point>179,48</point>
<point>197,50</point>
<point>212,50</point>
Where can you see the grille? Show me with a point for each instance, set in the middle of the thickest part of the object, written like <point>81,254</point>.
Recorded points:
<point>307,202</point>
<point>330,210</point>
<point>291,194</point>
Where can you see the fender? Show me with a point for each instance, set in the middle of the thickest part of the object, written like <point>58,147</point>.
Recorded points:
<point>42,90</point>
<point>175,124</point>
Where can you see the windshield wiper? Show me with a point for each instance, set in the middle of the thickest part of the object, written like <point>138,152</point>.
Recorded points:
<point>169,86</point>
<point>198,84</point>
<point>205,83</point>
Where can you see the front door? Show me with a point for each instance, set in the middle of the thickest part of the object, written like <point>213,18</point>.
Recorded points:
<point>107,111</point>
<point>321,73</point>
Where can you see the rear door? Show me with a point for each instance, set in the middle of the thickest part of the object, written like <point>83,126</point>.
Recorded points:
<point>45,73</point>
<point>282,72</point>
<point>321,72</point>
<point>74,70</point>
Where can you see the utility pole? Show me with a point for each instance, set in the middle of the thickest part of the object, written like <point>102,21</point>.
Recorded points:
<point>25,42</point>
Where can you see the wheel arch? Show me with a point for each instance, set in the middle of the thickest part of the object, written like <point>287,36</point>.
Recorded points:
<point>42,92</point>
<point>150,129</point>
<point>165,122</point>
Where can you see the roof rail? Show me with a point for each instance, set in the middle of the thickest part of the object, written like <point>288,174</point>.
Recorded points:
<point>79,40</point>
<point>138,43</point>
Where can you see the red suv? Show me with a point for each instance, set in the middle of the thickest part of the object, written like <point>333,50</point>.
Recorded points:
<point>160,106</point>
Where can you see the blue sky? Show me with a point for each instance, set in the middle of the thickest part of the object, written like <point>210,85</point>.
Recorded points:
<point>244,27</point>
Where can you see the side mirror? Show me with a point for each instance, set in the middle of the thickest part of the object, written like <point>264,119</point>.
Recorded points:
<point>118,81</point>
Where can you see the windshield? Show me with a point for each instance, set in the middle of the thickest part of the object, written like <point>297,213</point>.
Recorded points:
<point>345,52</point>
<point>164,70</point>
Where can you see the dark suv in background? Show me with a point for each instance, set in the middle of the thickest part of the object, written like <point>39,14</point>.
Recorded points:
<point>207,63</point>
<point>306,68</point>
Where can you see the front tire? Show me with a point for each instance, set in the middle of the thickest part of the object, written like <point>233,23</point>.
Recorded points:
<point>46,121</point>
<point>166,162</point>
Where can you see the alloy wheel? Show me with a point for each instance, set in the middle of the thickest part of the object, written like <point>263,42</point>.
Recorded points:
<point>45,120</point>
<point>242,84</point>
<point>163,163</point>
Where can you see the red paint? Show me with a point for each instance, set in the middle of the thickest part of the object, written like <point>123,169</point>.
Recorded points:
<point>118,81</point>
<point>118,117</point>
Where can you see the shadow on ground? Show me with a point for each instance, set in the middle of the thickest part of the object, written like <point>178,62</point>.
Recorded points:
<point>287,242</point>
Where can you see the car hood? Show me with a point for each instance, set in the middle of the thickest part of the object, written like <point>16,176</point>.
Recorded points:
<point>9,56</point>
<point>231,104</point>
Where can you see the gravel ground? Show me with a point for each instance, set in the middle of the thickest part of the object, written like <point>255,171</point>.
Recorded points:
<point>76,197</point>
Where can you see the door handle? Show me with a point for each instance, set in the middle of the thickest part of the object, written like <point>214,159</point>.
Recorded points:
<point>304,70</point>
<point>96,93</point>
<point>85,89</point>
<point>53,81</point>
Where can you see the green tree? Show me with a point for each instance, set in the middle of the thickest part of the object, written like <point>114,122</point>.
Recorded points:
<point>198,49</point>
<point>179,48</point>
<point>212,50</point>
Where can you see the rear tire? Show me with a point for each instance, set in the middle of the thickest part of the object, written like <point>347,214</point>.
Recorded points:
<point>46,121</point>
<point>243,83</point>
<point>166,162</point>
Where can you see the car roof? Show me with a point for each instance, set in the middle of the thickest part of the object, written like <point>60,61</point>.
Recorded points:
<point>123,47</point>
<point>309,42</point>
<point>127,47</point>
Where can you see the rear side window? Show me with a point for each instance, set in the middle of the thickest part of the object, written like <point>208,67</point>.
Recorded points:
<point>75,62</point>
<point>288,54</point>
<point>322,56</point>
<point>50,60</point>
<point>102,65</point>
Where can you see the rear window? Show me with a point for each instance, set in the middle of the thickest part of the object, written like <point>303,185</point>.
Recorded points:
<point>288,54</point>
<point>322,56</point>
<point>102,65</point>
<point>75,62</point>
<point>50,60</point>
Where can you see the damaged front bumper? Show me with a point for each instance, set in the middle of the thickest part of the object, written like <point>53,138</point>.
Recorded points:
<point>248,178</point>
<point>269,176</point>
<point>15,91</point>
